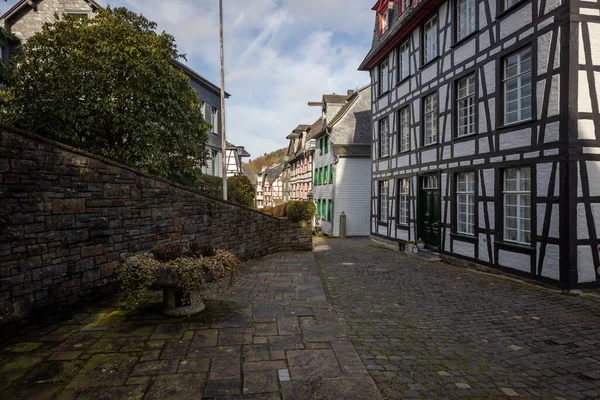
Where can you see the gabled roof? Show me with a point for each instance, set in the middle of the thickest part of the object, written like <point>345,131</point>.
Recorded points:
<point>315,128</point>
<point>351,100</point>
<point>273,172</point>
<point>240,149</point>
<point>22,3</point>
<point>198,78</point>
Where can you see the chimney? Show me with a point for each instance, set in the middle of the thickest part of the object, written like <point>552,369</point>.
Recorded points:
<point>350,93</point>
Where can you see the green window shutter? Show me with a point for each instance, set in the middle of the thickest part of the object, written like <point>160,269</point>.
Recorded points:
<point>320,176</point>
<point>320,207</point>
<point>326,144</point>
<point>315,176</point>
<point>330,211</point>
<point>331,174</point>
<point>325,176</point>
<point>321,146</point>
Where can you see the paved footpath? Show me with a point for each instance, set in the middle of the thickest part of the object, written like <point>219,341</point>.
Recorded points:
<point>272,336</point>
<point>430,330</point>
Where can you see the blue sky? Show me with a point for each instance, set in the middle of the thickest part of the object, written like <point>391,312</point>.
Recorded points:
<point>279,54</point>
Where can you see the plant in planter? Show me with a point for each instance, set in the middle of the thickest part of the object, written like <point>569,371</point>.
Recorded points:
<point>181,271</point>
<point>409,246</point>
<point>420,244</point>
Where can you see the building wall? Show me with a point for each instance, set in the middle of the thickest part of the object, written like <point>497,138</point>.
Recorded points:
<point>536,144</point>
<point>352,195</point>
<point>211,99</point>
<point>68,218</point>
<point>585,91</point>
<point>29,21</point>
<point>324,191</point>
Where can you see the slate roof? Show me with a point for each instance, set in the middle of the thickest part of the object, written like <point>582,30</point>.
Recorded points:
<point>248,172</point>
<point>198,78</point>
<point>22,3</point>
<point>397,25</point>
<point>356,128</point>
<point>315,128</point>
<point>243,152</point>
<point>273,172</point>
<point>352,150</point>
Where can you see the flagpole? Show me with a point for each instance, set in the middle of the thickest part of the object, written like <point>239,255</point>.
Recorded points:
<point>223,141</point>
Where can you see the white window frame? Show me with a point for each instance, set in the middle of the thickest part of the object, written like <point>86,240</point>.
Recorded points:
<point>403,61</point>
<point>383,200</point>
<point>384,137</point>
<point>384,77</point>
<point>430,119</point>
<point>465,203</point>
<point>430,40</point>
<point>214,116</point>
<point>518,74</point>
<point>466,21</point>
<point>404,129</point>
<point>403,201</point>
<point>466,105</point>
<point>518,198</point>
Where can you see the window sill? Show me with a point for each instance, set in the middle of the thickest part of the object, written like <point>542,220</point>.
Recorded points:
<point>515,245</point>
<point>383,94</point>
<point>464,138</point>
<point>403,226</point>
<point>511,9</point>
<point>403,152</point>
<point>462,41</point>
<point>379,223</point>
<point>464,237</point>
<point>383,158</point>
<point>429,145</point>
<point>404,80</point>
<point>513,125</point>
<point>428,63</point>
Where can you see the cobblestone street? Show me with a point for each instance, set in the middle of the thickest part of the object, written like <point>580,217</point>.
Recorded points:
<point>272,336</point>
<point>430,330</point>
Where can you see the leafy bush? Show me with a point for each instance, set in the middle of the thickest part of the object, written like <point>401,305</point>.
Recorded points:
<point>240,190</point>
<point>300,210</point>
<point>192,263</point>
<point>210,185</point>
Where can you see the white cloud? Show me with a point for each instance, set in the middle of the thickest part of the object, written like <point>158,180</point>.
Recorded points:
<point>279,55</point>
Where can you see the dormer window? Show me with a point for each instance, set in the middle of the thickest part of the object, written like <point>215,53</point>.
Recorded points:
<point>385,16</point>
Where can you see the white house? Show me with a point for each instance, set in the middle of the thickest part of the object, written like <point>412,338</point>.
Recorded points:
<point>342,163</point>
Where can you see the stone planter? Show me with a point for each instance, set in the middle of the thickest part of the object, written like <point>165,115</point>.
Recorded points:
<point>421,246</point>
<point>409,247</point>
<point>173,305</point>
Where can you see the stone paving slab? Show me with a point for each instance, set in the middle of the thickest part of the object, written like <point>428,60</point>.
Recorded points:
<point>273,335</point>
<point>429,330</point>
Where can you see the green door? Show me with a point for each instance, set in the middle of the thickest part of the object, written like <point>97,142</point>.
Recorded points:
<point>429,211</point>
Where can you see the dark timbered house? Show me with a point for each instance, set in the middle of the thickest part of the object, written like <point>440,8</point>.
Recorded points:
<point>486,129</point>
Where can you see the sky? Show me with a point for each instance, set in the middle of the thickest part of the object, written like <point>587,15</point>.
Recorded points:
<point>279,55</point>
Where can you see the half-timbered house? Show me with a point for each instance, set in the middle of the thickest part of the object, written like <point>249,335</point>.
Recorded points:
<point>486,129</point>
<point>342,163</point>
<point>300,155</point>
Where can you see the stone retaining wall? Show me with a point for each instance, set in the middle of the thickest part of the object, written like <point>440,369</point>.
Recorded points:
<point>68,218</point>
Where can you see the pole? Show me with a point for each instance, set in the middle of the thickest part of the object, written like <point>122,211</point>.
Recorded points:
<point>223,141</point>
